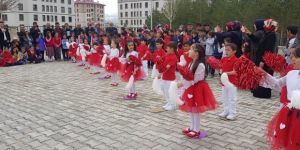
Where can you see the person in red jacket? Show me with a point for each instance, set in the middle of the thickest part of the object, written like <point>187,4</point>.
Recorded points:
<point>57,46</point>
<point>183,54</point>
<point>229,94</point>
<point>158,54</point>
<point>167,68</point>
<point>143,51</point>
<point>50,46</point>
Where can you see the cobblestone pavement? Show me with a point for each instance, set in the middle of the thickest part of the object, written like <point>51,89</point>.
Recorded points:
<point>61,106</point>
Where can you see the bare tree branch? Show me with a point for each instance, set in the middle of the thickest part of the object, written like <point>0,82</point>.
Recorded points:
<point>170,10</point>
<point>8,4</point>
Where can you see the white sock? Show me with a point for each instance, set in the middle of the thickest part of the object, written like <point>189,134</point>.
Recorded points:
<point>192,121</point>
<point>196,122</point>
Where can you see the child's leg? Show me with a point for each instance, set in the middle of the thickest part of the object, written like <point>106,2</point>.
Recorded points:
<point>132,89</point>
<point>196,122</point>
<point>225,102</point>
<point>232,96</point>
<point>192,121</point>
<point>114,77</point>
<point>145,68</point>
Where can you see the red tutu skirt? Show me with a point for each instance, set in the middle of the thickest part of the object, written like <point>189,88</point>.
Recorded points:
<point>283,130</point>
<point>126,70</point>
<point>112,66</point>
<point>198,98</point>
<point>95,59</point>
<point>72,52</point>
<point>283,96</point>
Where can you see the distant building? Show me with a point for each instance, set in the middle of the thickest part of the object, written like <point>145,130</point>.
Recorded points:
<point>40,11</point>
<point>88,11</point>
<point>134,13</point>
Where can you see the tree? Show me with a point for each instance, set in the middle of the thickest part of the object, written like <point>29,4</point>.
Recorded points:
<point>157,18</point>
<point>170,10</point>
<point>6,5</point>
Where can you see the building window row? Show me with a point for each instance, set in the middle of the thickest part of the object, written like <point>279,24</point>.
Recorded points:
<point>132,22</point>
<point>134,14</point>
<point>55,1</point>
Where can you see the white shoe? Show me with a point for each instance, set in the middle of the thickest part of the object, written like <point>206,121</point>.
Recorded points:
<point>223,114</point>
<point>170,107</point>
<point>167,105</point>
<point>230,117</point>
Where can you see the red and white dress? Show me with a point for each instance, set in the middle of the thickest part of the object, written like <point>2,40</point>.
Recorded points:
<point>128,68</point>
<point>96,56</point>
<point>283,130</point>
<point>197,95</point>
<point>72,49</point>
<point>113,63</point>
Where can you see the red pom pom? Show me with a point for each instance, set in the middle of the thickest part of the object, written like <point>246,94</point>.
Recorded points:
<point>86,47</point>
<point>248,75</point>
<point>274,61</point>
<point>214,62</point>
<point>135,60</point>
<point>186,73</point>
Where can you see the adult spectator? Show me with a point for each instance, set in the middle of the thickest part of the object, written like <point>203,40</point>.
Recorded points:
<point>78,30</point>
<point>58,29</point>
<point>22,37</point>
<point>292,32</point>
<point>67,30</point>
<point>34,33</point>
<point>4,36</point>
<point>48,29</point>
<point>111,30</point>
<point>89,29</point>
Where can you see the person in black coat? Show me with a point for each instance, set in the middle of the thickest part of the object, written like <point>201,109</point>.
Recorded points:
<point>268,44</point>
<point>48,29</point>
<point>4,36</point>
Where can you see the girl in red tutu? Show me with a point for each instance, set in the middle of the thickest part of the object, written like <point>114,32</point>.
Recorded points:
<point>197,95</point>
<point>167,69</point>
<point>113,63</point>
<point>95,58</point>
<point>72,50</point>
<point>106,52</point>
<point>131,69</point>
<point>78,56</point>
<point>85,52</point>
<point>283,130</point>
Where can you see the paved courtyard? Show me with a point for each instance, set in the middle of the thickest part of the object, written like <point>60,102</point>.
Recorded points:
<point>61,106</point>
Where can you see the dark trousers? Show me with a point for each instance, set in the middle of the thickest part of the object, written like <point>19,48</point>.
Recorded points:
<point>57,53</point>
<point>65,54</point>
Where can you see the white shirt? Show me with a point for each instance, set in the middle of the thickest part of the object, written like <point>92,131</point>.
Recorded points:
<point>287,51</point>
<point>114,52</point>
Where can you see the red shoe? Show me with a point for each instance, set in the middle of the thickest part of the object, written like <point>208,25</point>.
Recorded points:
<point>186,131</point>
<point>193,134</point>
<point>135,95</point>
<point>129,97</point>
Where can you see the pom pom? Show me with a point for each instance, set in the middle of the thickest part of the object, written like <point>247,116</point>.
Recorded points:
<point>248,75</point>
<point>156,86</point>
<point>135,60</point>
<point>154,72</point>
<point>174,94</point>
<point>130,83</point>
<point>225,81</point>
<point>295,100</point>
<point>149,56</point>
<point>182,61</point>
<point>275,62</point>
<point>87,48</point>
<point>214,62</point>
<point>103,61</point>
<point>186,73</point>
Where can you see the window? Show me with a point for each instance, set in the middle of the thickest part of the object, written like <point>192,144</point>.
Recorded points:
<point>62,1</point>
<point>55,9</point>
<point>55,18</point>
<point>52,19</point>
<point>70,19</point>
<point>141,22</point>
<point>4,17</point>
<point>126,22</point>
<point>157,4</point>
<point>50,1</point>
<point>62,9</point>
<point>121,15</point>
<point>43,8</point>
<point>126,6</point>
<point>47,8</point>
<point>51,8</point>
<point>134,22</point>
<point>48,18</point>
<point>69,2</point>
<point>21,17</point>
<point>131,5</point>
<point>131,14</point>
<point>126,14</point>
<point>131,22</point>
<point>54,1</point>
<point>121,22</point>
<point>35,18</point>
<point>20,6</point>
<point>121,7</point>
<point>146,4</point>
<point>70,10</point>
<point>47,0</point>
<point>35,8</point>
<point>140,13</point>
<point>134,5</point>
<point>44,18</point>
<point>63,19</point>
<point>146,13</point>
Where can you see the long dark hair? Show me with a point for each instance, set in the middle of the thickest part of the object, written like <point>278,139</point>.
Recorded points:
<point>126,48</point>
<point>201,56</point>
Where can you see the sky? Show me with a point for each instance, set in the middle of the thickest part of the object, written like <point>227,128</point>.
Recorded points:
<point>111,8</point>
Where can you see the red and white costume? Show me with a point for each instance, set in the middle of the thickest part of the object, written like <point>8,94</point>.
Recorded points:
<point>158,54</point>
<point>283,130</point>
<point>112,63</point>
<point>72,49</point>
<point>144,50</point>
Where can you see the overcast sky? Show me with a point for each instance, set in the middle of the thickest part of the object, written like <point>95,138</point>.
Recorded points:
<point>111,7</point>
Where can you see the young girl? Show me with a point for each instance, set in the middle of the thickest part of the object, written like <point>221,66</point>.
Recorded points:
<point>113,64</point>
<point>65,48</point>
<point>143,51</point>
<point>50,46</point>
<point>106,51</point>
<point>16,55</point>
<point>131,68</point>
<point>95,58</point>
<point>42,47</point>
<point>167,70</point>
<point>197,95</point>
<point>283,130</point>
<point>72,49</point>
<point>85,53</point>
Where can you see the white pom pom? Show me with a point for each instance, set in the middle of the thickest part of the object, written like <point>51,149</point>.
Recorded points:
<point>130,83</point>
<point>68,44</point>
<point>103,61</point>
<point>154,72</point>
<point>225,81</point>
<point>156,86</point>
<point>182,61</point>
<point>295,100</point>
<point>174,94</point>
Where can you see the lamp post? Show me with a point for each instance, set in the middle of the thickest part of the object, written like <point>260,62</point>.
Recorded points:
<point>151,5</point>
